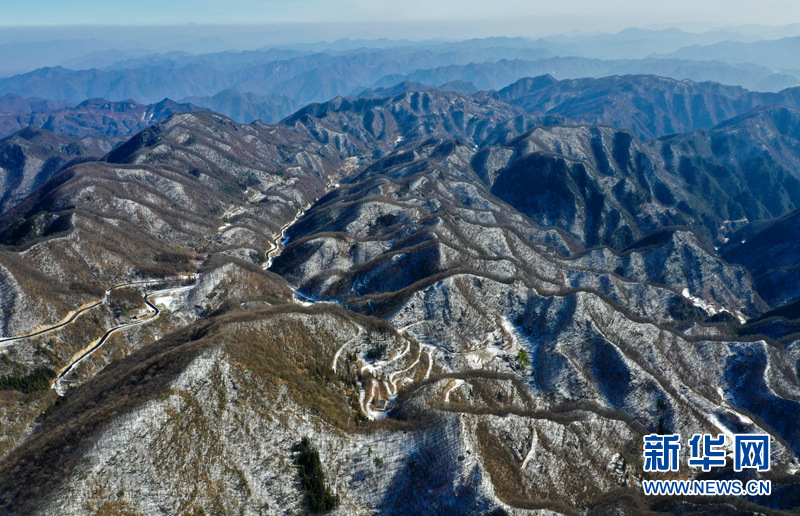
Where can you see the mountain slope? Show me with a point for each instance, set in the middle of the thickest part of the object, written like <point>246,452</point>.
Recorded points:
<point>745,168</point>
<point>777,53</point>
<point>377,125</point>
<point>93,117</point>
<point>31,156</point>
<point>650,106</point>
<point>769,250</point>
<point>246,107</point>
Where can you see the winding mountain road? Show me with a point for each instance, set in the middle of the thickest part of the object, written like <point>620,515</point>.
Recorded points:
<point>72,316</point>
<point>280,241</point>
<point>58,384</point>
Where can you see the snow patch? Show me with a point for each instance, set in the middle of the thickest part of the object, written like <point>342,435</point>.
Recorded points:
<point>710,309</point>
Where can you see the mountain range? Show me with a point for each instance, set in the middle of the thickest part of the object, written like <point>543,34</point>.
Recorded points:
<point>272,82</point>
<point>467,302</point>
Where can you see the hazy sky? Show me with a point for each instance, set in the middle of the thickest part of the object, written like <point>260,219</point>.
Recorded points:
<point>501,17</point>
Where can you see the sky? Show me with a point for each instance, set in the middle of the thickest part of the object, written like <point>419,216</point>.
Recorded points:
<point>41,33</point>
<point>499,17</point>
